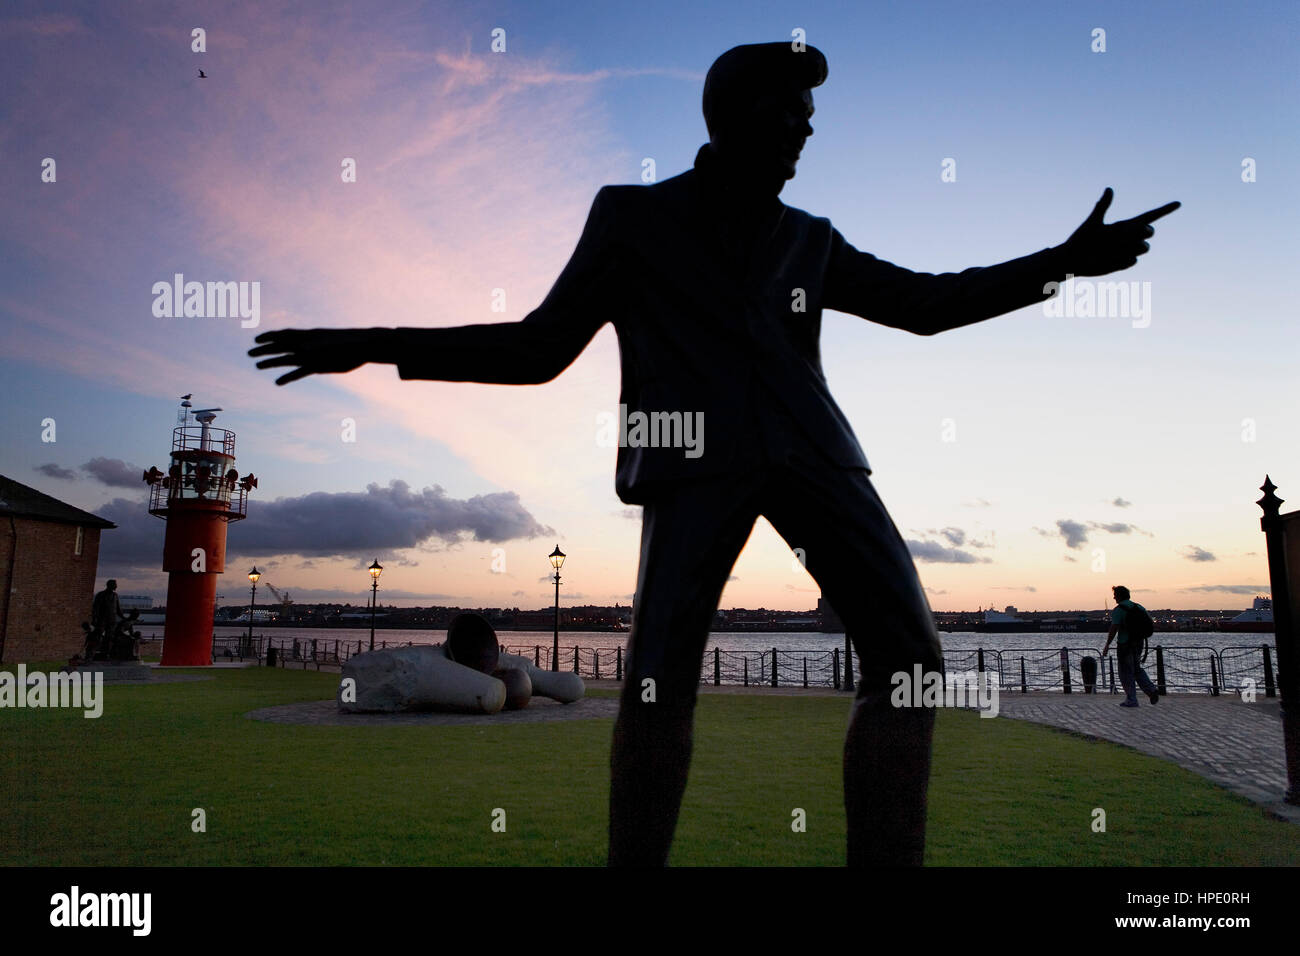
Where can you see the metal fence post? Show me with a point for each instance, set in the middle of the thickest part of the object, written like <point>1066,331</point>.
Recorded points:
<point>1024,685</point>
<point>1280,531</point>
<point>848,663</point>
<point>1214,678</point>
<point>717,667</point>
<point>745,660</point>
<point>1270,689</point>
<point>805,672</point>
<point>1160,670</point>
<point>774,667</point>
<point>575,659</point>
<point>835,667</point>
<point>595,656</point>
<point>618,663</point>
<point>1065,669</point>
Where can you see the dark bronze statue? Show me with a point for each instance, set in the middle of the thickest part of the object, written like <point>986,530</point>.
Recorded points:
<point>716,289</point>
<point>111,634</point>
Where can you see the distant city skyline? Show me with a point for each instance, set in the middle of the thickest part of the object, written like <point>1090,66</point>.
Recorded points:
<point>1035,460</point>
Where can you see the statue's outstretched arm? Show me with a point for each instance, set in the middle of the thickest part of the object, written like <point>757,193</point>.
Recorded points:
<point>531,351</point>
<point>924,303</point>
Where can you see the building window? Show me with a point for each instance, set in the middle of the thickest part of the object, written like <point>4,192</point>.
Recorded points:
<point>81,540</point>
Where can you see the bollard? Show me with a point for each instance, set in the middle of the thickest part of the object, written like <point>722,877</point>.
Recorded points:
<point>835,667</point>
<point>1214,677</point>
<point>717,667</point>
<point>774,667</point>
<point>618,664</point>
<point>1270,689</point>
<point>1160,670</point>
<point>1088,668</point>
<point>1024,685</point>
<point>1065,669</point>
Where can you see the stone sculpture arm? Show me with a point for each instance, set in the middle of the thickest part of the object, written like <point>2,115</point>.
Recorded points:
<point>557,685</point>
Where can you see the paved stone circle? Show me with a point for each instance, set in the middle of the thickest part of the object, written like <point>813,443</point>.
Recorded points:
<point>325,713</point>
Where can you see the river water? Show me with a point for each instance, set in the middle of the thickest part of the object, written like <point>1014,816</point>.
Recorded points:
<point>735,641</point>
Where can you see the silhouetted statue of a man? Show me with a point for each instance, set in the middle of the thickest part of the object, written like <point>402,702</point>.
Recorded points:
<point>105,615</point>
<point>716,289</point>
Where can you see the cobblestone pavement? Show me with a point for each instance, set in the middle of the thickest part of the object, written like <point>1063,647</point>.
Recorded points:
<point>1235,744</point>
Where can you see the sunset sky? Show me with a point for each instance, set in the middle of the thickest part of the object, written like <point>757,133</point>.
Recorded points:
<point>1016,455</point>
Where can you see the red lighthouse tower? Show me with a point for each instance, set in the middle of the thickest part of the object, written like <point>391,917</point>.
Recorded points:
<point>198,496</point>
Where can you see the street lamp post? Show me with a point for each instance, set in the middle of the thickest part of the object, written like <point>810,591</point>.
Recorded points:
<point>557,562</point>
<point>375,570</point>
<point>253,575</point>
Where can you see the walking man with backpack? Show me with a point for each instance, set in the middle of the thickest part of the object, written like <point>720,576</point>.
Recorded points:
<point>1131,622</point>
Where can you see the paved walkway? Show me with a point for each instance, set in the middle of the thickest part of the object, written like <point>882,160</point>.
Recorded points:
<point>1234,744</point>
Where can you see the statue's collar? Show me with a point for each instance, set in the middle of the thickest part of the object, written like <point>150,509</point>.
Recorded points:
<point>726,185</point>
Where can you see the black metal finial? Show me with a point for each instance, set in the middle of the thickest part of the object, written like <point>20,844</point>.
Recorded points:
<point>1270,503</point>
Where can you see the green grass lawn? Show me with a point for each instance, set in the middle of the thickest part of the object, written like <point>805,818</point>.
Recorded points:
<point>121,789</point>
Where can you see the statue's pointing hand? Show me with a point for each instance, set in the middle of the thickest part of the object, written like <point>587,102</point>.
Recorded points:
<point>1097,248</point>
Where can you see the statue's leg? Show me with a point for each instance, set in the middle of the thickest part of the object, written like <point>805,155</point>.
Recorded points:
<point>859,559</point>
<point>689,541</point>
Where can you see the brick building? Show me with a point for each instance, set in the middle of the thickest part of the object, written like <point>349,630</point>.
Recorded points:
<point>49,551</point>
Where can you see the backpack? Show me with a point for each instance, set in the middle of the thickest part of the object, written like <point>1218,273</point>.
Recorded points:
<point>1138,626</point>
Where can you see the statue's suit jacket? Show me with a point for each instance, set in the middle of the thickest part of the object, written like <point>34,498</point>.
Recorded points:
<point>717,302</point>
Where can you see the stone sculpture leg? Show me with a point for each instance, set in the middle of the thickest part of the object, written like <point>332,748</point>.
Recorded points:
<point>418,678</point>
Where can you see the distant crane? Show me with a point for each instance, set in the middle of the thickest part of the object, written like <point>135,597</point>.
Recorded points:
<point>286,602</point>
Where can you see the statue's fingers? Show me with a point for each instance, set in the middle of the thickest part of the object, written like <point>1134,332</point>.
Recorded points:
<point>293,376</point>
<point>271,348</point>
<point>279,360</point>
<point>1099,211</point>
<point>1151,215</point>
<point>275,334</point>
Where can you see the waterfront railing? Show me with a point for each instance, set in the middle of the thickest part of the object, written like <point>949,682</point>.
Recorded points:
<point>1068,669</point>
